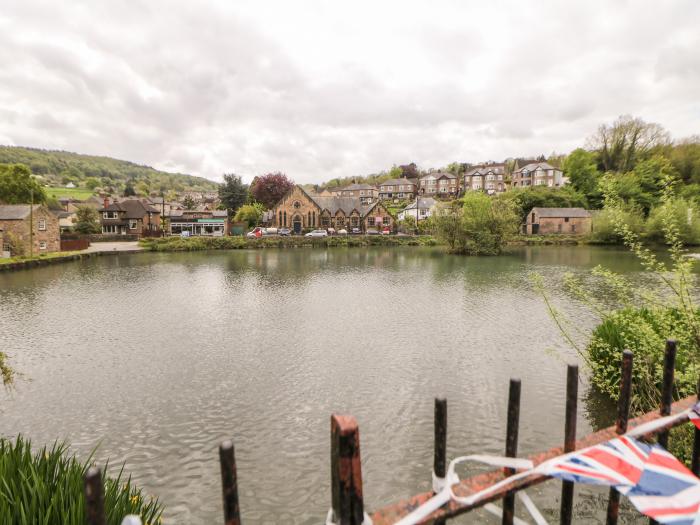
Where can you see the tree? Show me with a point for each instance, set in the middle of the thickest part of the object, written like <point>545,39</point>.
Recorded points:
<point>410,171</point>
<point>685,156</point>
<point>581,169</point>
<point>625,142</point>
<point>249,213</point>
<point>17,186</point>
<point>129,190</point>
<point>233,193</point>
<point>87,220</point>
<point>395,172</point>
<point>92,182</point>
<point>524,199</point>
<point>188,203</point>
<point>269,189</point>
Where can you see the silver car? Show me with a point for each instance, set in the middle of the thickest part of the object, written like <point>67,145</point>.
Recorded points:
<point>317,233</point>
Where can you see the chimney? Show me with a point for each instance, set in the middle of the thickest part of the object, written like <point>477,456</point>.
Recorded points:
<point>106,201</point>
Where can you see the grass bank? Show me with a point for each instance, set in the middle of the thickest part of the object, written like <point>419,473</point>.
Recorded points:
<point>179,244</point>
<point>42,257</point>
<point>547,240</point>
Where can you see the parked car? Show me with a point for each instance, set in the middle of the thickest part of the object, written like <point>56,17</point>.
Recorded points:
<point>317,233</point>
<point>342,231</point>
<point>356,231</point>
<point>269,231</point>
<point>372,231</point>
<point>331,231</point>
<point>386,231</point>
<point>255,233</point>
<point>284,232</point>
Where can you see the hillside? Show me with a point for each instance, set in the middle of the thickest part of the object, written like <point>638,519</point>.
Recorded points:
<point>87,172</point>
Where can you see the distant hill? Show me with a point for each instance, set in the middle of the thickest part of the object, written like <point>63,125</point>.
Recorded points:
<point>59,168</point>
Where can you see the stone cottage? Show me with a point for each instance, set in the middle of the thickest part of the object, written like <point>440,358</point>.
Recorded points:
<point>574,221</point>
<point>23,225</point>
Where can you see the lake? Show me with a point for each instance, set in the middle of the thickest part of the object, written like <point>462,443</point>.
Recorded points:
<point>156,358</point>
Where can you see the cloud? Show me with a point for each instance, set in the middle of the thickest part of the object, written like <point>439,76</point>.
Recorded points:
<point>321,90</point>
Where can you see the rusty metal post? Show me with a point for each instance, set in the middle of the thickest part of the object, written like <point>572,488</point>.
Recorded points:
<point>346,471</point>
<point>567,487</point>
<point>695,463</point>
<point>94,497</point>
<point>623,412</point>
<point>511,445</point>
<point>229,483</point>
<point>440,450</point>
<point>667,389</point>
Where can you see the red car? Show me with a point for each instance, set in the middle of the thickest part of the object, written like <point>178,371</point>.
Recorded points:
<point>386,231</point>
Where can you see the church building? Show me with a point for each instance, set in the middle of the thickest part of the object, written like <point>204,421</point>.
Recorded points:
<point>300,210</point>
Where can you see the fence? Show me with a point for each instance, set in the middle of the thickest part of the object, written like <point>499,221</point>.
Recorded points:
<point>347,503</point>
<point>71,245</point>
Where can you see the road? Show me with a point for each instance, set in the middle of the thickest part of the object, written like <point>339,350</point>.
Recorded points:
<point>114,247</point>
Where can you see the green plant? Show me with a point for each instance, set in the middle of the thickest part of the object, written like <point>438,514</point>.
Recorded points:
<point>48,485</point>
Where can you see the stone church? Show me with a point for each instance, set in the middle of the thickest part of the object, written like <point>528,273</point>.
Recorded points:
<point>300,210</point>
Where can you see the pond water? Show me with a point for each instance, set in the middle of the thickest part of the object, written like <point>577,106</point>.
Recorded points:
<point>156,358</point>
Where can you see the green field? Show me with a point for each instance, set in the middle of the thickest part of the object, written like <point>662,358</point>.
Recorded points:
<point>73,193</point>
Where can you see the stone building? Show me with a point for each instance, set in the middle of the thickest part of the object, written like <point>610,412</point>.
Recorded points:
<point>574,221</point>
<point>397,189</point>
<point>439,185</point>
<point>489,178</point>
<point>129,217</point>
<point>299,211</point>
<point>29,224</point>
<point>538,174</point>
<point>365,192</point>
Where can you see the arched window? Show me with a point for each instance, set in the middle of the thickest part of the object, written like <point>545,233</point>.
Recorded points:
<point>313,218</point>
<point>308,219</point>
<point>280,221</point>
<point>285,218</point>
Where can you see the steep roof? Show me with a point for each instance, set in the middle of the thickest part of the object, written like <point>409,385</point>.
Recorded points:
<point>345,204</point>
<point>438,175</point>
<point>353,187</point>
<point>535,165</point>
<point>561,212</point>
<point>15,212</point>
<point>133,208</point>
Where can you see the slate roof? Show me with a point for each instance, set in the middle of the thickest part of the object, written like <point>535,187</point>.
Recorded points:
<point>15,212</point>
<point>424,203</point>
<point>439,175</point>
<point>561,212</point>
<point>484,169</point>
<point>354,187</point>
<point>395,182</point>
<point>133,208</point>
<point>534,165</point>
<point>345,204</point>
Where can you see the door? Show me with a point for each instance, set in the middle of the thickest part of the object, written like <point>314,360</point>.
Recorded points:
<point>535,229</point>
<point>297,225</point>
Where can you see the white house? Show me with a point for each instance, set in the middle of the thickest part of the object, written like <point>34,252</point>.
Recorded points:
<point>425,208</point>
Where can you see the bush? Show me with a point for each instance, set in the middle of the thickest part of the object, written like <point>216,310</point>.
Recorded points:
<point>683,214</point>
<point>604,224</point>
<point>49,485</point>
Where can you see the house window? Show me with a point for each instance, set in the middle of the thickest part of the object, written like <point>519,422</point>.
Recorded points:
<point>325,221</point>
<point>313,218</point>
<point>132,224</point>
<point>42,224</point>
<point>386,221</point>
<point>285,218</point>
<point>109,215</point>
<point>308,219</point>
<point>370,221</point>
<point>280,221</point>
<point>566,219</point>
<point>42,245</point>
<point>340,221</point>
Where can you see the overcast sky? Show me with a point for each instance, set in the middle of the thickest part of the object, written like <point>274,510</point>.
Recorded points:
<point>320,89</point>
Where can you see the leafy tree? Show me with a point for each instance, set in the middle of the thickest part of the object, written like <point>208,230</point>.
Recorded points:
<point>685,157</point>
<point>524,199</point>
<point>581,168</point>
<point>625,142</point>
<point>269,189</point>
<point>233,193</point>
<point>410,171</point>
<point>395,172</point>
<point>250,213</point>
<point>188,203</point>
<point>92,183</point>
<point>643,185</point>
<point>17,186</point>
<point>87,220</point>
<point>129,190</point>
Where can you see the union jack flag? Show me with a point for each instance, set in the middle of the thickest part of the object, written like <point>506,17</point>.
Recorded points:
<point>618,462</point>
<point>667,491</point>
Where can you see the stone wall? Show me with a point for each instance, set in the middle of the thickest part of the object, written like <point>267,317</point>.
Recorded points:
<point>50,234</point>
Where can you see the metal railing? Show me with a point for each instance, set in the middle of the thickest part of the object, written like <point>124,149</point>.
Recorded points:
<point>347,501</point>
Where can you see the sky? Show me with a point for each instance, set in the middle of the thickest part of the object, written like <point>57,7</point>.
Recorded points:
<point>323,89</point>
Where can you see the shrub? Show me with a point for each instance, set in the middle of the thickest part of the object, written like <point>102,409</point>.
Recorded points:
<point>49,485</point>
<point>683,214</point>
<point>604,224</point>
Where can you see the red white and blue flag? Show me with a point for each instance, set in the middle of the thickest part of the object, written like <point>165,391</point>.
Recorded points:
<point>618,463</point>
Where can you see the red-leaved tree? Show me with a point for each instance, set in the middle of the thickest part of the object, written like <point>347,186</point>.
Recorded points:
<point>269,189</point>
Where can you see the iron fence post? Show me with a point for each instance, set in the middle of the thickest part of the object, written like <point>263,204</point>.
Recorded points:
<point>567,488</point>
<point>229,483</point>
<point>623,411</point>
<point>346,471</point>
<point>511,445</point>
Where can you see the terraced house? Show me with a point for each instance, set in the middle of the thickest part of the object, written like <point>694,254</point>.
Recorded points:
<point>397,189</point>
<point>487,178</point>
<point>538,174</point>
<point>439,184</point>
<point>300,210</point>
<point>365,192</point>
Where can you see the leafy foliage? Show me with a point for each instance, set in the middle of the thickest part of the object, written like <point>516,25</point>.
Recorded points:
<point>250,214</point>
<point>49,484</point>
<point>88,220</point>
<point>17,186</point>
<point>269,189</point>
<point>524,199</point>
<point>233,192</point>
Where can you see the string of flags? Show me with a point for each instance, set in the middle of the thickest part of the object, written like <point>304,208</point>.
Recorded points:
<point>654,481</point>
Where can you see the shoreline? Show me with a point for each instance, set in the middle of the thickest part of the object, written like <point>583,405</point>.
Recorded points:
<point>47,261</point>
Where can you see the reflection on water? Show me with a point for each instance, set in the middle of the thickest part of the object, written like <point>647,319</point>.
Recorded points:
<point>158,357</point>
